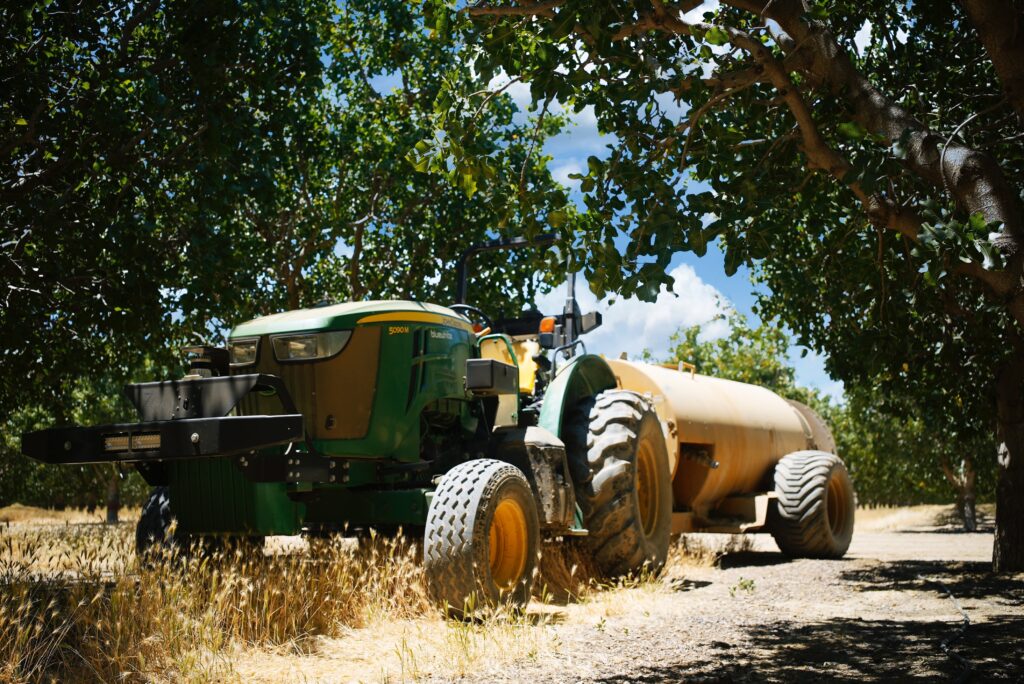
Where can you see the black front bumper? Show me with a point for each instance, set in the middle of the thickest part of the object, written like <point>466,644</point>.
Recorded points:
<point>180,419</point>
<point>178,439</point>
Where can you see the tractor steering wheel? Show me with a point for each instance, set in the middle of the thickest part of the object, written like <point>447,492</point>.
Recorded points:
<point>482,318</point>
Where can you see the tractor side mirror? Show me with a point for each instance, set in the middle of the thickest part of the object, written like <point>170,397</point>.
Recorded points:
<point>590,321</point>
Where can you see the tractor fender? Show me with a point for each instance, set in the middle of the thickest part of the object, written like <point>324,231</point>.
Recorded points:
<point>584,376</point>
<point>541,457</point>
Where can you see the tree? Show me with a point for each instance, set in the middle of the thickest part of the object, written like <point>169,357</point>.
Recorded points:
<point>876,192</point>
<point>347,215</point>
<point>131,135</point>
<point>172,168</point>
<point>752,355</point>
<point>900,459</point>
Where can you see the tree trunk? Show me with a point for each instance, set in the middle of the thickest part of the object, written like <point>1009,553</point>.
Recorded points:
<point>113,496</point>
<point>1008,551</point>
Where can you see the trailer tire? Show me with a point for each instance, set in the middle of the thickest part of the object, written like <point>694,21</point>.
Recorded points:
<point>481,540</point>
<point>814,511</point>
<point>620,470</point>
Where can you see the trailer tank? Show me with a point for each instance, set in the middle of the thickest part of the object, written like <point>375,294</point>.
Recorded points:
<point>724,438</point>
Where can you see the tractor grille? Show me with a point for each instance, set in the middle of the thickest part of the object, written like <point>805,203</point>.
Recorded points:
<point>335,395</point>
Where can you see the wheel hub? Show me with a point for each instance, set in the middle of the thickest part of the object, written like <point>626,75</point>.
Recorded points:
<point>509,541</point>
<point>835,502</point>
<point>647,487</point>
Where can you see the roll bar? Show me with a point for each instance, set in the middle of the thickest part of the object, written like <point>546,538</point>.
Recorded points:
<point>543,240</point>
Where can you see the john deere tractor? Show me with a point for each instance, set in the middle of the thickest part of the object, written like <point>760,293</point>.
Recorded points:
<point>483,435</point>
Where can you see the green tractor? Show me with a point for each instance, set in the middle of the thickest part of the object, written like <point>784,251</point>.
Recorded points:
<point>485,436</point>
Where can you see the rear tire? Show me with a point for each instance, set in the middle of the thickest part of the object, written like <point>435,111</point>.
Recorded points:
<point>481,540</point>
<point>813,515</point>
<point>620,468</point>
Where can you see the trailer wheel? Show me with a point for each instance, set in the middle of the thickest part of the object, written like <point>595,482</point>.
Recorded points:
<point>813,516</point>
<point>481,539</point>
<point>620,468</point>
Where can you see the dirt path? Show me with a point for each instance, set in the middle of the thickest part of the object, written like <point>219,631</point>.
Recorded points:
<point>883,613</point>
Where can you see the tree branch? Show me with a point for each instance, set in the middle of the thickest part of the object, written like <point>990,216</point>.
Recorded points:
<point>1001,29</point>
<point>537,9</point>
<point>972,178</point>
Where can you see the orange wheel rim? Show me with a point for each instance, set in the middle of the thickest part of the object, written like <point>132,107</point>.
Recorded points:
<point>509,541</point>
<point>836,506</point>
<point>647,494</point>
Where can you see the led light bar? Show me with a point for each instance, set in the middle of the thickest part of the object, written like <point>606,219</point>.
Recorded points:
<point>115,442</point>
<point>140,441</point>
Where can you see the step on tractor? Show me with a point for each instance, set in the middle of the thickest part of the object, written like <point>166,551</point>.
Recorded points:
<point>483,436</point>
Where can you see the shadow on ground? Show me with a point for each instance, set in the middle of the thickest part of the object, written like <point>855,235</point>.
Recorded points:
<point>856,650</point>
<point>971,579</point>
<point>845,650</point>
<point>754,559</point>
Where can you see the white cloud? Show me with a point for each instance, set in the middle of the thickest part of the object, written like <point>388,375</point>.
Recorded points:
<point>631,325</point>
<point>697,13</point>
<point>561,173</point>
<point>518,91</point>
<point>863,37</point>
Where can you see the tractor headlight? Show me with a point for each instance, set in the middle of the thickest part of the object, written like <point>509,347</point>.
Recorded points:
<point>309,346</point>
<point>243,352</point>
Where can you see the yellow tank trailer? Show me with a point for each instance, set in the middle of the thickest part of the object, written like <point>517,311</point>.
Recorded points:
<point>743,459</point>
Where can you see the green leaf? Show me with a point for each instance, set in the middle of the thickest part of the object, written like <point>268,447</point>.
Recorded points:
<point>852,130</point>
<point>977,222</point>
<point>716,36</point>
<point>468,184</point>
<point>20,122</point>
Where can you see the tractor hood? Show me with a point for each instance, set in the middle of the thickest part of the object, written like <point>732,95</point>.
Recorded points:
<point>347,316</point>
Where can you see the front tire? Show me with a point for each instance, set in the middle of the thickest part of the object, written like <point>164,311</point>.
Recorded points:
<point>155,534</point>
<point>814,511</point>
<point>620,468</point>
<point>481,539</point>
<point>153,531</point>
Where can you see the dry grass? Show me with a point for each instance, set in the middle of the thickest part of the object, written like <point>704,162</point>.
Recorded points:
<point>76,605</point>
<point>888,518</point>
<point>17,513</point>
